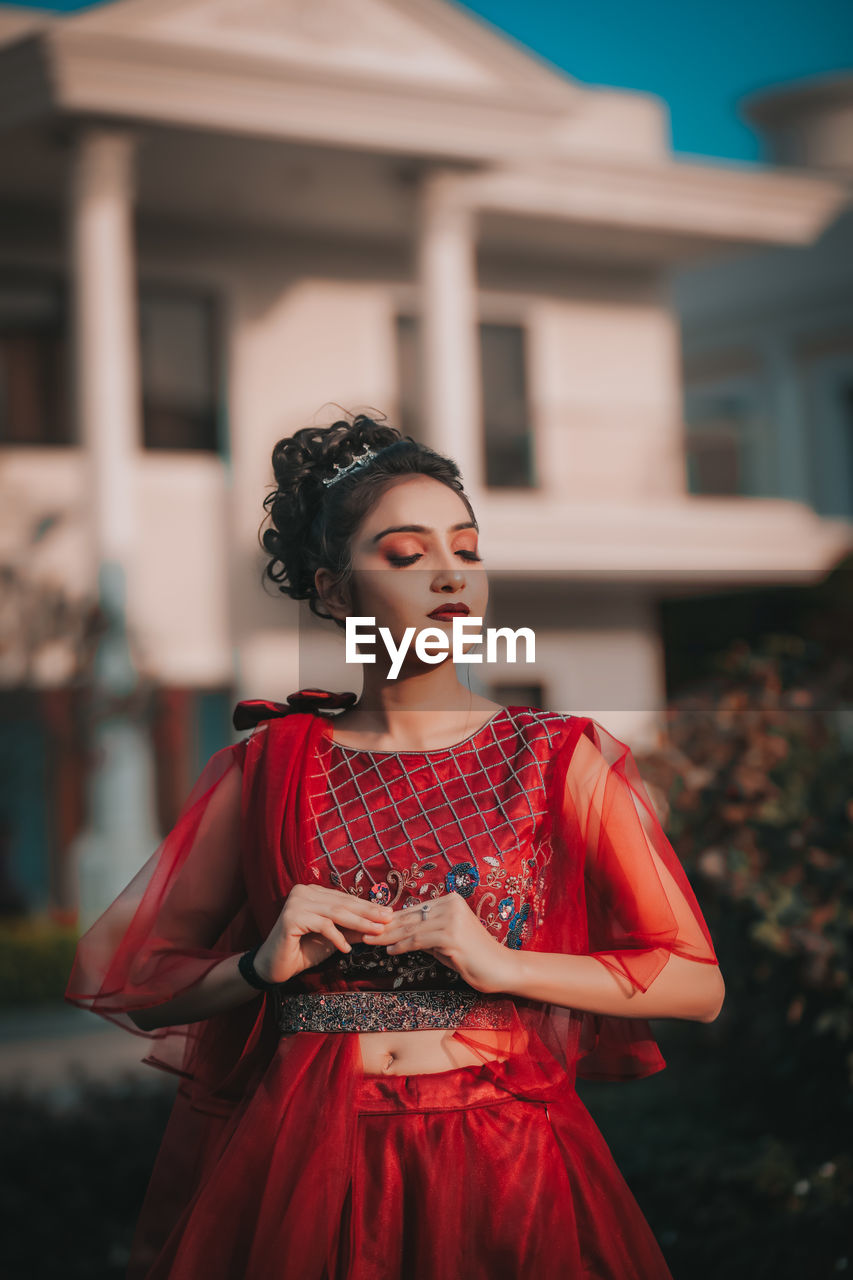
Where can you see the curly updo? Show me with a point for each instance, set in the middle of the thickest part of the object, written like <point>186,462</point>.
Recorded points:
<point>312,524</point>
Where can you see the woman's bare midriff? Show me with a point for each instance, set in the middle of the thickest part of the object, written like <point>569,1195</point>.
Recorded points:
<point>411,1053</point>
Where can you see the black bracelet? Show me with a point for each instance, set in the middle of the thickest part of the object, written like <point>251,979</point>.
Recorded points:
<point>246,965</point>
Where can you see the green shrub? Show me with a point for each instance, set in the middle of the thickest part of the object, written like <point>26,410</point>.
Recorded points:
<point>35,961</point>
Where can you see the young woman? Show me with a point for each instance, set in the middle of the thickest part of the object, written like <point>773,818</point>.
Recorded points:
<point>380,945</point>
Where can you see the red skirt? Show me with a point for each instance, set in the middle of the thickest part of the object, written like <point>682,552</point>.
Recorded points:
<point>468,1173</point>
<point>489,1172</point>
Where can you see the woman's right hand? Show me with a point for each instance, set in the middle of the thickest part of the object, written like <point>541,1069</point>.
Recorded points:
<point>314,922</point>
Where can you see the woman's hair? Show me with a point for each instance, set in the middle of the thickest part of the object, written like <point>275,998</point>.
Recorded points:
<point>312,524</point>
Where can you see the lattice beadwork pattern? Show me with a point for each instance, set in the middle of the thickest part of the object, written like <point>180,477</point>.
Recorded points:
<point>404,827</point>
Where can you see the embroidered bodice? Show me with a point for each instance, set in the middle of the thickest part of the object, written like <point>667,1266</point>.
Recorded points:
<point>401,827</point>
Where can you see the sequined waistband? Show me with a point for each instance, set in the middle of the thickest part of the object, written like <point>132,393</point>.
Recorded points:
<point>390,1010</point>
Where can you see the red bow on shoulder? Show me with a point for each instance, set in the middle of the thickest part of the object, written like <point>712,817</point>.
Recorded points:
<point>252,711</point>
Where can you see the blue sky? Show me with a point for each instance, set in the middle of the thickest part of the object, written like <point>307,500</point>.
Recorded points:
<point>700,56</point>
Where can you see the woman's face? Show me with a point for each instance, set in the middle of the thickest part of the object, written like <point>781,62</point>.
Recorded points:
<point>417,549</point>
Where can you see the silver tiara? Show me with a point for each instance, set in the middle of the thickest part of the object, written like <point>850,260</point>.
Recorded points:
<point>358,461</point>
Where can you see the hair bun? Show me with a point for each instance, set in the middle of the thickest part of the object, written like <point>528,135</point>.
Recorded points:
<point>272,541</point>
<point>312,523</point>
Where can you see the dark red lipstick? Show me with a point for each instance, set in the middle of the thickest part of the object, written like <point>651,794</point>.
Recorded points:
<point>450,611</point>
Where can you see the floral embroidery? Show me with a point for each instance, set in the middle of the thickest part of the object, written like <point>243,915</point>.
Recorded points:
<point>512,925</point>
<point>517,927</point>
<point>462,879</point>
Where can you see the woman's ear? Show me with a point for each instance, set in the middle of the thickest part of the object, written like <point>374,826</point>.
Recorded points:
<point>334,593</point>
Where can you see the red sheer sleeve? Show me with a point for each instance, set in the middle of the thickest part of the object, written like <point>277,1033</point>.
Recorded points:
<point>184,911</point>
<point>640,906</point>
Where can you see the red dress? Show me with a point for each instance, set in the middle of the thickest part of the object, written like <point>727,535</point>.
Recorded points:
<point>282,1158</point>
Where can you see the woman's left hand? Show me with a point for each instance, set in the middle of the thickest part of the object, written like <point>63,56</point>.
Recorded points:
<point>452,933</point>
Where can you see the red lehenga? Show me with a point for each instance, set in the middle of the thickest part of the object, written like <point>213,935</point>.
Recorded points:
<point>281,1157</point>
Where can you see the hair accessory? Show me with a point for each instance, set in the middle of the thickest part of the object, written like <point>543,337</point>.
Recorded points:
<point>251,711</point>
<point>358,461</point>
<point>311,699</point>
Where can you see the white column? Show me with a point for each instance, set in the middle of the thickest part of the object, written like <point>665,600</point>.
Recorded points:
<point>449,329</point>
<point>106,364</point>
<point>121,832</point>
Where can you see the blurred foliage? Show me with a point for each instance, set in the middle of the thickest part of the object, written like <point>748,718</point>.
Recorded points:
<point>757,771</point>
<point>752,781</point>
<point>36,955</point>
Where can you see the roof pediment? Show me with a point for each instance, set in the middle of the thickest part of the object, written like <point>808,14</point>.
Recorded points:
<point>428,44</point>
<point>17,21</point>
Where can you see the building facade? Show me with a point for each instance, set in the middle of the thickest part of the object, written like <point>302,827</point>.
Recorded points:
<point>767,339</point>
<point>227,219</point>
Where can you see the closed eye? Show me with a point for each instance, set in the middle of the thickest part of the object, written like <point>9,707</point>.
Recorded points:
<point>402,560</point>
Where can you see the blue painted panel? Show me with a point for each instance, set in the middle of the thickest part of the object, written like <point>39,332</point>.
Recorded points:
<point>213,730</point>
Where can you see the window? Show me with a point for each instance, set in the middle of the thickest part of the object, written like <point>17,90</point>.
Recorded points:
<point>34,384</point>
<point>506,434</point>
<point>508,441</point>
<point>713,447</point>
<point>178,359</point>
<point>409,378</point>
<point>178,366</point>
<point>728,443</point>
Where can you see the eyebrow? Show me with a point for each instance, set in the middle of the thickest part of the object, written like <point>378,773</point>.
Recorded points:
<point>421,528</point>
